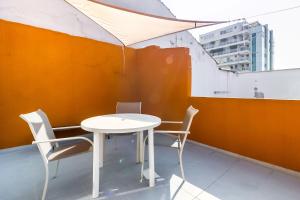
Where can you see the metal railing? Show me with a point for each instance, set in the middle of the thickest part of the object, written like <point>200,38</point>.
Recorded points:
<point>234,60</point>
<point>215,45</point>
<point>230,51</point>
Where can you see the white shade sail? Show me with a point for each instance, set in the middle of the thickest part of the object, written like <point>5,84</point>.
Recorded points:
<point>131,27</point>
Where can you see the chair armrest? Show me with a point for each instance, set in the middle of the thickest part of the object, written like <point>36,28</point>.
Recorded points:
<point>64,139</point>
<point>64,128</point>
<point>176,132</point>
<point>171,122</point>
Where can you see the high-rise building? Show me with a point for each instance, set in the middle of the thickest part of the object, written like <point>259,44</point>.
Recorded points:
<point>241,47</point>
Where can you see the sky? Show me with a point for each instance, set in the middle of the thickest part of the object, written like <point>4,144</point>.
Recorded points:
<point>286,25</point>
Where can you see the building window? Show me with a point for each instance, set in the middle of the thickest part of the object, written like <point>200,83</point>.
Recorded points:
<point>226,31</point>
<point>253,51</point>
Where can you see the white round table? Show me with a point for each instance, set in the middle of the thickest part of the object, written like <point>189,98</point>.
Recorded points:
<point>120,123</point>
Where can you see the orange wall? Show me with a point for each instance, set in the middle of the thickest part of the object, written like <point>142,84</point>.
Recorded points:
<point>262,129</point>
<point>70,78</point>
<point>267,130</point>
<point>164,80</point>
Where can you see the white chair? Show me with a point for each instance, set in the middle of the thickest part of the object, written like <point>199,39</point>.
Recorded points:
<point>181,136</point>
<point>48,145</point>
<point>131,107</point>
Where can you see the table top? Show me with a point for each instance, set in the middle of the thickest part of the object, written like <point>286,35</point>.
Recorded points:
<point>120,123</point>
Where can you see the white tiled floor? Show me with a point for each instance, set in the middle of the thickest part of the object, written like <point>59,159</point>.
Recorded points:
<point>210,175</point>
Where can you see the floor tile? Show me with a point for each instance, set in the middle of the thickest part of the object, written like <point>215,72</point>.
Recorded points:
<point>210,175</point>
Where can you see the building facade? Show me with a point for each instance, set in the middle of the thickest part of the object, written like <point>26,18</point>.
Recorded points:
<point>241,47</point>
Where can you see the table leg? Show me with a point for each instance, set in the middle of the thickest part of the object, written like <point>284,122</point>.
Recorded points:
<point>139,146</point>
<point>151,158</point>
<point>101,148</point>
<point>141,150</point>
<point>96,165</point>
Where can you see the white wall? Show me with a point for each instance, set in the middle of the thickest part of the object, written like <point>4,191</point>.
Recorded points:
<point>280,84</point>
<point>54,15</point>
<point>59,16</point>
<point>206,78</point>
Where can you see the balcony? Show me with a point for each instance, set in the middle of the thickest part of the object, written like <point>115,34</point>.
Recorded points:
<point>238,147</point>
<point>229,52</point>
<point>227,44</point>
<point>235,62</point>
<point>234,59</point>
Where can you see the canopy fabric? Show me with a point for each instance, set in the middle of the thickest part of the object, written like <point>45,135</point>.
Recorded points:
<point>131,27</point>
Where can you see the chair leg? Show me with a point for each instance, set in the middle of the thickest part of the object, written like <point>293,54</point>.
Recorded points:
<point>56,169</point>
<point>178,147</point>
<point>114,138</point>
<point>46,181</point>
<point>180,155</point>
<point>143,159</point>
<point>181,165</point>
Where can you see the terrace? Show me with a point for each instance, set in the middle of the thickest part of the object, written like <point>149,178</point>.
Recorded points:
<point>210,173</point>
<point>239,148</point>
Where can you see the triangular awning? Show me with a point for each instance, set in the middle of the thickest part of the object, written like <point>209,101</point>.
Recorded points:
<point>131,27</point>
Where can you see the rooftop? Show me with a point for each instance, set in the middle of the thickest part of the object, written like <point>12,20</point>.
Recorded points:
<point>242,144</point>
<point>211,175</point>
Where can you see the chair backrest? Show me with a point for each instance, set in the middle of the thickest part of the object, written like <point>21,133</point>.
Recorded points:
<point>129,107</point>
<point>41,129</point>
<point>189,115</point>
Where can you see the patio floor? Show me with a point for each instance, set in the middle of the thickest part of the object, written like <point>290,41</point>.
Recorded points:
<point>210,175</point>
